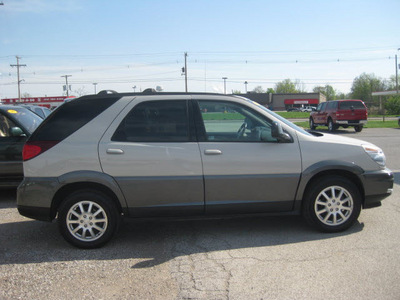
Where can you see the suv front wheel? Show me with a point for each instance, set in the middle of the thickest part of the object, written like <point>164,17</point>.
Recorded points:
<point>333,204</point>
<point>312,124</point>
<point>331,126</point>
<point>88,219</point>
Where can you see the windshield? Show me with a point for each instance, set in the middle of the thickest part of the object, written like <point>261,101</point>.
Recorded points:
<point>282,119</point>
<point>29,120</point>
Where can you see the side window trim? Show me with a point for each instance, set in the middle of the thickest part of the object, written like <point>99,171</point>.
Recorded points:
<point>202,132</point>
<point>198,122</point>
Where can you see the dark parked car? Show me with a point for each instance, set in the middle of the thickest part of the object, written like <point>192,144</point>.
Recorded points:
<point>16,125</point>
<point>293,109</point>
<point>43,112</point>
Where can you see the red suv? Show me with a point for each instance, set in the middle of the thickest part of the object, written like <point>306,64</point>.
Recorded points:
<point>337,113</point>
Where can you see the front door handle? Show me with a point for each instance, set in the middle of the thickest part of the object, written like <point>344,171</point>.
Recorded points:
<point>115,151</point>
<point>212,152</point>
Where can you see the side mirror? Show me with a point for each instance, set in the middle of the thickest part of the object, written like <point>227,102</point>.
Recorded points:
<point>277,132</point>
<point>16,131</point>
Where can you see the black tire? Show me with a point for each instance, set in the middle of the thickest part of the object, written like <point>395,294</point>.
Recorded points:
<point>312,124</point>
<point>332,204</point>
<point>331,126</point>
<point>88,219</point>
<point>358,128</point>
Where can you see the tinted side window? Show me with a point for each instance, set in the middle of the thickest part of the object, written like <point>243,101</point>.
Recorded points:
<point>155,121</point>
<point>232,122</point>
<point>71,116</point>
<point>39,112</point>
<point>5,126</point>
<point>352,105</point>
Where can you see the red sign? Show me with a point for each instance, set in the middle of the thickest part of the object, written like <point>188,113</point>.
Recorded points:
<point>42,101</point>
<point>301,101</point>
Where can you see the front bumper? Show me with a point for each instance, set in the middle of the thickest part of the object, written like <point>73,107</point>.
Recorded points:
<point>377,186</point>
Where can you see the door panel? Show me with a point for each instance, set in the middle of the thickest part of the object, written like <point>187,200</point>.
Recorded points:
<point>157,178</point>
<point>151,157</point>
<point>250,177</point>
<point>245,169</point>
<point>10,151</point>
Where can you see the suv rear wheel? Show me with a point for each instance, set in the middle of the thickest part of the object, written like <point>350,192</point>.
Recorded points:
<point>88,219</point>
<point>358,128</point>
<point>333,204</point>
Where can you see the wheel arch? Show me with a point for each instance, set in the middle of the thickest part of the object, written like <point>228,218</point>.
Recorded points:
<point>98,182</point>
<point>325,169</point>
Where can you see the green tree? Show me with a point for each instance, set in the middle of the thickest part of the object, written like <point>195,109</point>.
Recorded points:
<point>327,90</point>
<point>391,83</point>
<point>287,86</point>
<point>26,95</point>
<point>270,91</point>
<point>258,89</point>
<point>364,85</point>
<point>340,95</point>
<point>393,105</point>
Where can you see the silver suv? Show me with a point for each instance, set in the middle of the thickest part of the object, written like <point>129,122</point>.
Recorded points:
<point>98,158</point>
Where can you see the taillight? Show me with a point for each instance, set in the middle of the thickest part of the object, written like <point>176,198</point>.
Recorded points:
<point>34,148</point>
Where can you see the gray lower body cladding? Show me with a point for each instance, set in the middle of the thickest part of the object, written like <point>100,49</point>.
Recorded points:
<point>186,196</point>
<point>377,186</point>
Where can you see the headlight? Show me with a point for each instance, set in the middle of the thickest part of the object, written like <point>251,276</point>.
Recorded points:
<point>376,154</point>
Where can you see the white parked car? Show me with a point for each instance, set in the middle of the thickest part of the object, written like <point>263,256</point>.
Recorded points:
<point>307,108</point>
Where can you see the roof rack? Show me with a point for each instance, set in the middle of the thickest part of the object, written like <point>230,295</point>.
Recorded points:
<point>107,92</point>
<point>149,91</point>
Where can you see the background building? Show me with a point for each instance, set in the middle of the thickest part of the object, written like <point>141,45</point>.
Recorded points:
<point>286,101</point>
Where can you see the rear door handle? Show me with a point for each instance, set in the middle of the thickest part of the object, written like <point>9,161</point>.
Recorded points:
<point>212,152</point>
<point>115,151</point>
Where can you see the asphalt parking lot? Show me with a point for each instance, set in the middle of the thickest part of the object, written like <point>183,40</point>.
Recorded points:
<point>249,258</point>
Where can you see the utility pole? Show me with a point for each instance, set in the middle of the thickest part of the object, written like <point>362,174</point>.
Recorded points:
<point>66,83</point>
<point>224,78</point>
<point>18,65</point>
<point>397,75</point>
<point>186,89</point>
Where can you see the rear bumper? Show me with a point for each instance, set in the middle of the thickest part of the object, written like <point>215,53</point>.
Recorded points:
<point>351,122</point>
<point>34,198</point>
<point>377,186</point>
<point>37,213</point>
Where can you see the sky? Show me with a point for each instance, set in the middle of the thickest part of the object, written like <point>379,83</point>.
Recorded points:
<point>133,45</point>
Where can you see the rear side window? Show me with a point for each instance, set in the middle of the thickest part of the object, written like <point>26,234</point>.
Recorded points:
<point>352,105</point>
<point>155,121</point>
<point>71,116</point>
<point>40,112</point>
